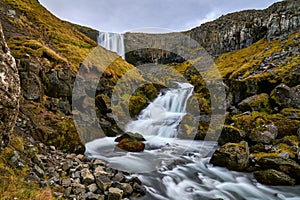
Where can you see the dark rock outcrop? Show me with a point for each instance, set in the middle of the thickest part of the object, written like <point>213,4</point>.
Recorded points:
<point>239,30</point>
<point>9,92</point>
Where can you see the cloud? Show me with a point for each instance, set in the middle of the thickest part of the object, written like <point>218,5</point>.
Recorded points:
<point>124,15</point>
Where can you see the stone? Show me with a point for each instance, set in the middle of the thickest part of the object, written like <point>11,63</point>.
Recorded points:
<point>103,182</point>
<point>92,188</point>
<point>91,196</point>
<point>78,188</point>
<point>38,171</point>
<point>264,134</point>
<point>66,182</point>
<point>133,136</point>
<point>32,177</point>
<point>87,176</point>
<point>99,171</point>
<point>119,177</point>
<point>138,190</point>
<point>131,145</point>
<point>127,189</point>
<point>234,156</point>
<point>273,177</point>
<point>231,134</point>
<point>115,194</point>
<point>67,165</point>
<point>9,92</point>
<point>286,97</point>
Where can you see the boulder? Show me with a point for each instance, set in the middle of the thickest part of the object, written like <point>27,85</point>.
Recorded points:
<point>273,177</point>
<point>255,103</point>
<point>281,164</point>
<point>234,156</point>
<point>286,97</point>
<point>264,134</point>
<point>9,92</point>
<point>131,145</point>
<point>231,134</point>
<point>132,136</point>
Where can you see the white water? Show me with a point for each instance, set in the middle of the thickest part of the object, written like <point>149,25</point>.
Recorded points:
<point>163,115</point>
<point>113,42</point>
<point>174,169</point>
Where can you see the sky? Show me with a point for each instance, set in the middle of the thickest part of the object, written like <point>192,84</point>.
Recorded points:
<point>126,15</point>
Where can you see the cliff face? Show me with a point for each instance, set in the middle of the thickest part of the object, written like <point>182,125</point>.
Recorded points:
<point>228,33</point>
<point>9,92</point>
<point>239,30</point>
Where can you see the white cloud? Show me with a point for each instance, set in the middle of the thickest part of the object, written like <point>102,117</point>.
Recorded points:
<point>124,15</point>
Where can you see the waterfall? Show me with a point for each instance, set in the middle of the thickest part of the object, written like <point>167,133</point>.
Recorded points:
<point>113,42</point>
<point>163,115</point>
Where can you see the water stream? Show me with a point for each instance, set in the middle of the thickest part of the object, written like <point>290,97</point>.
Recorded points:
<point>175,169</point>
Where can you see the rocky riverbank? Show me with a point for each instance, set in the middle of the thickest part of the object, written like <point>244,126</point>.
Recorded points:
<point>69,175</point>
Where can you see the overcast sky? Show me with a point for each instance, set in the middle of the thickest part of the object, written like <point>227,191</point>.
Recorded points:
<point>125,15</point>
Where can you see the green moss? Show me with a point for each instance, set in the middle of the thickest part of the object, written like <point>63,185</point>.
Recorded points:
<point>136,104</point>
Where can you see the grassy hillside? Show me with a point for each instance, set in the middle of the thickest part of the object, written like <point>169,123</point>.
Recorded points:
<point>35,31</point>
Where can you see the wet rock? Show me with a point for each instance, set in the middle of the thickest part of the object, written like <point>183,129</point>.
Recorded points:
<point>9,92</point>
<point>264,134</point>
<point>127,189</point>
<point>273,177</point>
<point>231,134</point>
<point>115,194</point>
<point>234,156</point>
<point>138,190</point>
<point>131,145</point>
<point>131,136</point>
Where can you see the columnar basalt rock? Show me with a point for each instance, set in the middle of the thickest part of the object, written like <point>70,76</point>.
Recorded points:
<point>9,91</point>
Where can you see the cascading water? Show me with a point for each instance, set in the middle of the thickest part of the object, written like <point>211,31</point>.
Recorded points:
<point>163,115</point>
<point>169,175</point>
<point>113,42</point>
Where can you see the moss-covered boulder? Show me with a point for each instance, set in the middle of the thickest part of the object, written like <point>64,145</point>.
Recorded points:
<point>234,156</point>
<point>255,103</point>
<point>263,134</point>
<point>273,177</point>
<point>231,134</point>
